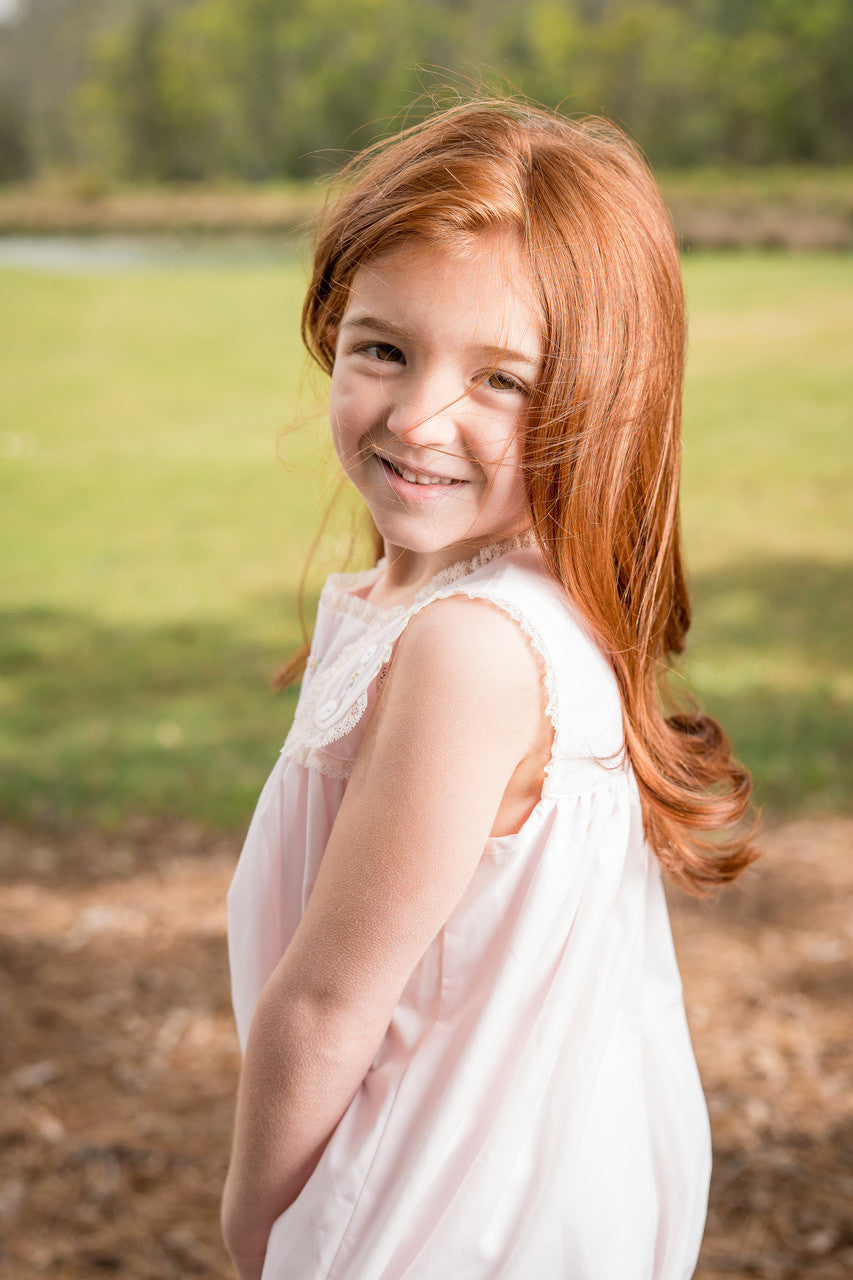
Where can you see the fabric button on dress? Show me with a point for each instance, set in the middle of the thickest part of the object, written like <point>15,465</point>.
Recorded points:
<point>327,710</point>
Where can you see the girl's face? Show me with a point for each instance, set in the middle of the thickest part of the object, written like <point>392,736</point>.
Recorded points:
<point>436,356</point>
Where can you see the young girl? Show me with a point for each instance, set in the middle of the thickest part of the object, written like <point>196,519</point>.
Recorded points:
<point>465,1047</point>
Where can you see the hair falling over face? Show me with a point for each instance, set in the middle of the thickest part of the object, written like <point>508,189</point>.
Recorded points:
<point>602,437</point>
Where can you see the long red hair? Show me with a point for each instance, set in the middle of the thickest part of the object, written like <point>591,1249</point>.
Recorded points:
<point>603,438</point>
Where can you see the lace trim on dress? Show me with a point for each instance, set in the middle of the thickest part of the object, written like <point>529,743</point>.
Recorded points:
<point>318,760</point>
<point>308,734</point>
<point>304,728</point>
<point>342,585</point>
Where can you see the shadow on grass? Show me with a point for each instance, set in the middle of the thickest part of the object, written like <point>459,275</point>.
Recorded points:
<point>769,655</point>
<point>104,722</point>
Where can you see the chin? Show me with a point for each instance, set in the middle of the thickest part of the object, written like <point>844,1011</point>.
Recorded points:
<point>422,544</point>
<point>411,533</point>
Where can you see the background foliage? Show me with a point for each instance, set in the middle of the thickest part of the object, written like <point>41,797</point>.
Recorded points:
<point>177,90</point>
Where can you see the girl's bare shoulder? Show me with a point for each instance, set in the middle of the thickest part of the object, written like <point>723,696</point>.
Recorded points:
<point>467,655</point>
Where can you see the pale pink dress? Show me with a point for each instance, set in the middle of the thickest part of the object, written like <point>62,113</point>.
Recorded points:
<point>534,1111</point>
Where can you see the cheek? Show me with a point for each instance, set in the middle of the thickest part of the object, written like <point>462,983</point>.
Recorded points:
<point>508,472</point>
<point>504,449</point>
<point>493,432</point>
<point>353,401</point>
<point>346,411</point>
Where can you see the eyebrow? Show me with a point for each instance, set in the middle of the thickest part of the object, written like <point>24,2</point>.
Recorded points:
<point>492,353</point>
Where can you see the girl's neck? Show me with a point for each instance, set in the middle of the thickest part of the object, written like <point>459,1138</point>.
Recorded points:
<point>407,572</point>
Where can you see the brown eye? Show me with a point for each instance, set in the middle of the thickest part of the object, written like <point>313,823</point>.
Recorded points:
<point>504,382</point>
<point>383,351</point>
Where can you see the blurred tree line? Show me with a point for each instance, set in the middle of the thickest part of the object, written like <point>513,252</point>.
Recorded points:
<point>186,90</point>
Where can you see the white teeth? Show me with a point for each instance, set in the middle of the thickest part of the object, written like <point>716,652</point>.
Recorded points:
<point>415,477</point>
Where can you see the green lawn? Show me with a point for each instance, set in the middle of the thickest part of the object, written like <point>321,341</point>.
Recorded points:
<point>767,515</point>
<point>152,545</point>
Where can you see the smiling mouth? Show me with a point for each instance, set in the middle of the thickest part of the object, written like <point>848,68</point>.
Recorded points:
<point>417,477</point>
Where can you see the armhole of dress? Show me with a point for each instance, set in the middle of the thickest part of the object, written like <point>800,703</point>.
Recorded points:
<point>534,639</point>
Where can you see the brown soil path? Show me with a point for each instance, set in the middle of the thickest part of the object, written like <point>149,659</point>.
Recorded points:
<point>119,1059</point>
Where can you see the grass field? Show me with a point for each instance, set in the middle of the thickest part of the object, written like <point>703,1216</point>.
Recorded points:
<point>152,545</point>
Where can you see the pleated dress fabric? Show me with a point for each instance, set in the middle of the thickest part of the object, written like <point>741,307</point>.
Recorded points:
<point>534,1111</point>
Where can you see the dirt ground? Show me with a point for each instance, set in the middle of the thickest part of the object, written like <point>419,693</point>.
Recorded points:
<point>119,1058</point>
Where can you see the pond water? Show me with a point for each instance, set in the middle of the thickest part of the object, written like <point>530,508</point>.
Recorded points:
<point>71,255</point>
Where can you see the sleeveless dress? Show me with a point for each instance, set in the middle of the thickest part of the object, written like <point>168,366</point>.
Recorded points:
<point>534,1111</point>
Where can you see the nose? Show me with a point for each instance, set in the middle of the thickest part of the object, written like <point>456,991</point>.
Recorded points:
<point>424,410</point>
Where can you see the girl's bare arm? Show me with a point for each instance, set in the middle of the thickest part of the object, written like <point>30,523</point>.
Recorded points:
<point>459,709</point>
